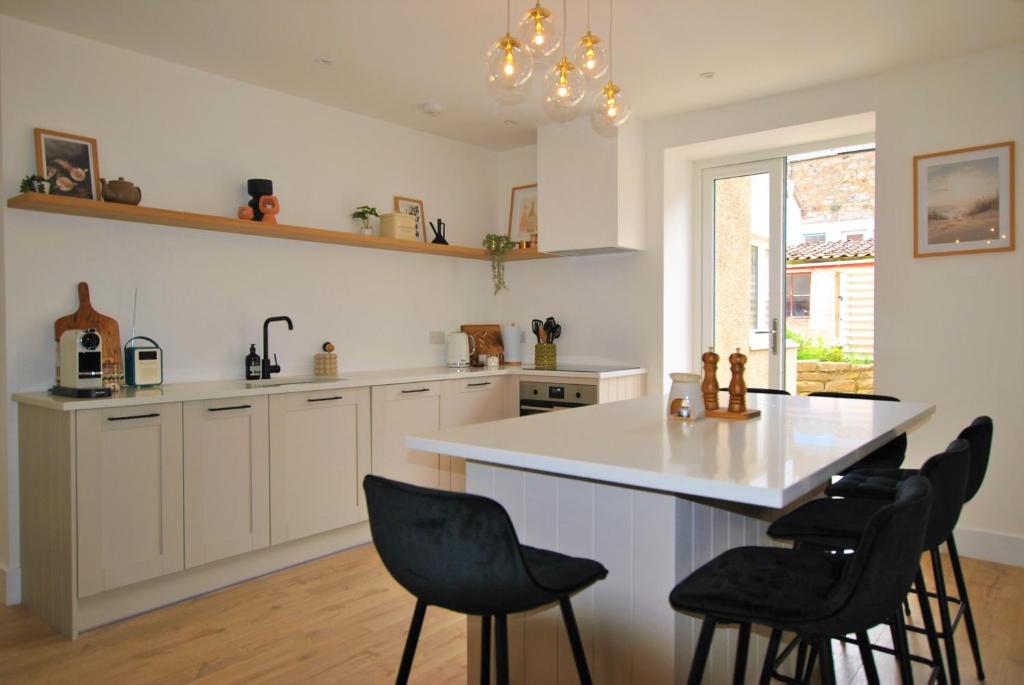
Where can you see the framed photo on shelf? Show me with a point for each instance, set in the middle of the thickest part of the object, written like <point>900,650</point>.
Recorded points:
<point>522,214</point>
<point>963,201</point>
<point>69,162</point>
<point>409,205</point>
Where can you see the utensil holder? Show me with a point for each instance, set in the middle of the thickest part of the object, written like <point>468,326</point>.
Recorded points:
<point>544,356</point>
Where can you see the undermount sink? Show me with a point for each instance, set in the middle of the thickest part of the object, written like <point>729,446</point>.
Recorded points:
<point>299,380</point>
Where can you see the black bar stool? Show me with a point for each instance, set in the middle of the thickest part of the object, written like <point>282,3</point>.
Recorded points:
<point>888,456</point>
<point>460,552</point>
<point>817,596</point>
<point>761,391</point>
<point>838,524</point>
<point>882,484</point>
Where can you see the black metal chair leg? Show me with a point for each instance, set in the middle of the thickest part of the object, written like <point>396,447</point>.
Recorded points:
<point>700,657</point>
<point>812,656</point>
<point>485,650</point>
<point>739,672</point>
<point>867,658</point>
<point>501,646</point>
<point>828,668</point>
<point>578,655</point>
<point>961,590</point>
<point>899,642</point>
<point>947,624</point>
<point>410,643</point>
<point>801,660</point>
<point>771,654</point>
<point>929,626</point>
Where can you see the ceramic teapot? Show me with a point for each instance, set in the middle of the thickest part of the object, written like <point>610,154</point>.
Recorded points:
<point>121,191</point>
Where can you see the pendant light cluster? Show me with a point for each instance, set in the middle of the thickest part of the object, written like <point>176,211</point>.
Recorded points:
<point>510,65</point>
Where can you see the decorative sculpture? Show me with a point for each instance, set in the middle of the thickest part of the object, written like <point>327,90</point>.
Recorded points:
<point>258,188</point>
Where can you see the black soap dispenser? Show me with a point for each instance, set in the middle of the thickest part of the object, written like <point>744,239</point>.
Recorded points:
<point>253,369</point>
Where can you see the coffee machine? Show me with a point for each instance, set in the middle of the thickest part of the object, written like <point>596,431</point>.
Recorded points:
<point>81,364</point>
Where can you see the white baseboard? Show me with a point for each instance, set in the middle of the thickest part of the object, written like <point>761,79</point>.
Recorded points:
<point>982,544</point>
<point>10,585</point>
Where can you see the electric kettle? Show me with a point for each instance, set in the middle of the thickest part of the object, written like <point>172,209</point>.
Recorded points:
<point>460,347</point>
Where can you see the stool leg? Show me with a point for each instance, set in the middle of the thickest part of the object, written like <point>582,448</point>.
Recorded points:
<point>768,667</point>
<point>961,590</point>
<point>867,658</point>
<point>929,626</point>
<point>700,658</point>
<point>578,655</point>
<point>944,619</point>
<point>739,670</point>
<point>501,640</point>
<point>801,659</point>
<point>485,650</point>
<point>828,668</point>
<point>410,643</point>
<point>899,642</point>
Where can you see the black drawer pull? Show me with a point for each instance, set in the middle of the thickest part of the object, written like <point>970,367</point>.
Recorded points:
<point>408,392</point>
<point>477,385</point>
<point>237,406</point>
<point>325,399</point>
<point>132,418</point>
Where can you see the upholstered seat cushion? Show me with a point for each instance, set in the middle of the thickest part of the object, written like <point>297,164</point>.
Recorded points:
<point>870,483</point>
<point>834,523</point>
<point>559,573</point>
<point>766,585</point>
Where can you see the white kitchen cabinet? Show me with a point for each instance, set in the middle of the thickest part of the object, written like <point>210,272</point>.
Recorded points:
<point>227,471</point>
<point>398,411</point>
<point>590,193</point>
<point>319,454</point>
<point>129,485</point>
<point>463,402</point>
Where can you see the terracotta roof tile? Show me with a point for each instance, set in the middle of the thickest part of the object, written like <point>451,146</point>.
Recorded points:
<point>831,251</point>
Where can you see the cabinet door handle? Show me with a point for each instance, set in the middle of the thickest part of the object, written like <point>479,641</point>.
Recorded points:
<point>408,392</point>
<point>237,406</point>
<point>132,418</point>
<point>325,399</point>
<point>477,385</point>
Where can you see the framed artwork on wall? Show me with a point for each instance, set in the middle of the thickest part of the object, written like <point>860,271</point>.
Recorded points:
<point>964,201</point>
<point>409,205</point>
<point>522,214</point>
<point>69,162</point>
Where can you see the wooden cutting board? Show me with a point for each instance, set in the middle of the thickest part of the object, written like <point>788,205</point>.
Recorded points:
<point>87,317</point>
<point>487,340</point>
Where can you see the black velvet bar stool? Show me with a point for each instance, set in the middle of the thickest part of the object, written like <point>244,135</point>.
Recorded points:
<point>888,456</point>
<point>838,524</point>
<point>883,483</point>
<point>460,552</point>
<point>818,596</point>
<point>762,391</point>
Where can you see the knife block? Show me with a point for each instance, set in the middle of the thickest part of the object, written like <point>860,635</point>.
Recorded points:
<point>544,356</point>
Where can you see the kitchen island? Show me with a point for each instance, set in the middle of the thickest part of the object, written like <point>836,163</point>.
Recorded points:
<point>653,498</point>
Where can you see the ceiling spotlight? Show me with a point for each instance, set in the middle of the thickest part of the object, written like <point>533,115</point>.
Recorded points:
<point>707,75</point>
<point>431,108</point>
<point>323,61</point>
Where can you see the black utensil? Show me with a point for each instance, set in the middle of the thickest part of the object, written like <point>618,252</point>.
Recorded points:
<point>557,333</point>
<point>549,328</point>
<point>537,323</point>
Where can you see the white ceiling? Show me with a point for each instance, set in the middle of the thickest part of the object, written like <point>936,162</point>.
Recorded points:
<point>391,55</point>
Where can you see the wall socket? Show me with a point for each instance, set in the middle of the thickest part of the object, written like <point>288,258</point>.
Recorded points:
<point>437,338</point>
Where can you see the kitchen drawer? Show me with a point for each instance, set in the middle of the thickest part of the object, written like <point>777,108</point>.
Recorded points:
<point>398,411</point>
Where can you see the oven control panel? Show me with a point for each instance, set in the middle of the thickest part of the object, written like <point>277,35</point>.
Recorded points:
<point>558,393</point>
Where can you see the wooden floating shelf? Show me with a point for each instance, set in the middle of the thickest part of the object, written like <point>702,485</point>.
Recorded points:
<point>55,204</point>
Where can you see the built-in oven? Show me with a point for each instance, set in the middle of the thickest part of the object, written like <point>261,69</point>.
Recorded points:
<point>537,397</point>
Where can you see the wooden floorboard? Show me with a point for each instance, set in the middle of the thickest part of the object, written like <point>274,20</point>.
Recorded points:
<point>341,619</point>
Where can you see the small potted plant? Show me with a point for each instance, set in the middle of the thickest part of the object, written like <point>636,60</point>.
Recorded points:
<point>364,213</point>
<point>498,246</point>
<point>33,183</point>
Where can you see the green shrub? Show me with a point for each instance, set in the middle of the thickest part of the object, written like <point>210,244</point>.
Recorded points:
<point>817,350</point>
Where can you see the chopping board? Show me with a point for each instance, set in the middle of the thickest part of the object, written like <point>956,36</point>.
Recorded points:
<point>487,340</point>
<point>87,317</point>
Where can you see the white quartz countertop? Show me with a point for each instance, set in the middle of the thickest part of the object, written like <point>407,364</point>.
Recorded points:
<point>211,390</point>
<point>772,460</point>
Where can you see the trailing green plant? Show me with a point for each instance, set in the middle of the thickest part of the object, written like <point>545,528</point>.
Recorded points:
<point>498,246</point>
<point>363,213</point>
<point>29,183</point>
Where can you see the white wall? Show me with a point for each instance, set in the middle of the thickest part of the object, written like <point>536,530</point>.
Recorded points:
<point>190,139</point>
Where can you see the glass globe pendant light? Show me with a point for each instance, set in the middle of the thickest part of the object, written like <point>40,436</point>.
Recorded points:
<point>589,55</point>
<point>611,107</point>
<point>539,31</point>
<point>509,65</point>
<point>563,88</point>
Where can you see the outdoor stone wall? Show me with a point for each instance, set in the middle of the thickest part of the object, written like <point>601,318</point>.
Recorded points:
<point>813,376</point>
<point>836,188</point>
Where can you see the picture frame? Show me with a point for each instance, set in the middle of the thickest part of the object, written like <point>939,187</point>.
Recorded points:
<point>70,162</point>
<point>964,201</point>
<point>410,205</point>
<point>522,214</point>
